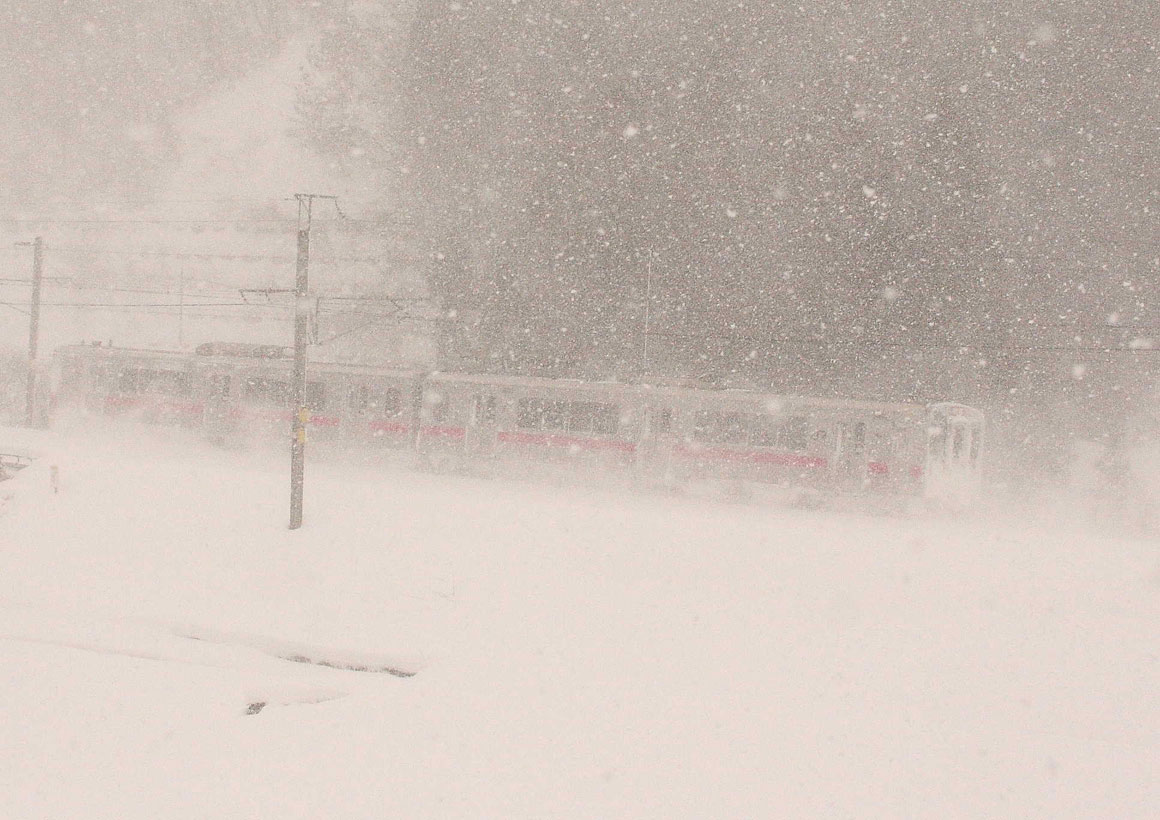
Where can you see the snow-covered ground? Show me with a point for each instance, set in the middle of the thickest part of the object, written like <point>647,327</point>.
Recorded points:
<point>577,652</point>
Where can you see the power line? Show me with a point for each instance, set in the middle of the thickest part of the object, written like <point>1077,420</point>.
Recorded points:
<point>130,201</point>
<point>241,257</point>
<point>287,221</point>
<point>150,304</point>
<point>186,293</point>
<point>142,221</point>
<point>106,289</point>
<point>832,342</point>
<point>225,289</point>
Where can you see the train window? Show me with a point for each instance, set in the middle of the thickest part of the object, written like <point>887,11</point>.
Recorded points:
<point>860,435</point>
<point>572,416</point>
<point>974,448</point>
<point>385,404</point>
<point>663,420</point>
<point>390,403</point>
<point>438,406</point>
<point>316,395</point>
<point>530,414</point>
<point>71,374</point>
<point>581,416</point>
<point>255,389</point>
<point>105,381</point>
<point>795,434</point>
<point>722,428</point>
<point>219,385</point>
<point>957,443</point>
<point>163,382</point>
<point>704,428</point>
<point>764,432</point>
<point>555,415</point>
<point>265,391</point>
<point>606,419</point>
<point>483,409</point>
<point>129,381</point>
<point>735,428</point>
<point>937,445</point>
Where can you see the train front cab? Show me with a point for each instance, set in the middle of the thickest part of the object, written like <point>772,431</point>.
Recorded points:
<point>749,443</point>
<point>953,454</point>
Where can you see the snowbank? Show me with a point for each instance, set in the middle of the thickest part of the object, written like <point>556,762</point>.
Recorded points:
<point>576,653</point>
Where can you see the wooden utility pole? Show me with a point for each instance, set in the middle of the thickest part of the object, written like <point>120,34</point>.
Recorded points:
<point>647,309</point>
<point>298,383</point>
<point>181,310</point>
<point>31,419</point>
<point>303,311</point>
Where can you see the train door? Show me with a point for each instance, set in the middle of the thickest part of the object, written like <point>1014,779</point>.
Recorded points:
<point>658,442</point>
<point>218,417</point>
<point>482,424</point>
<point>850,455</point>
<point>954,448</point>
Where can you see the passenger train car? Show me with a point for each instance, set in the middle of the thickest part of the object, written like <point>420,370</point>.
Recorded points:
<point>666,436</point>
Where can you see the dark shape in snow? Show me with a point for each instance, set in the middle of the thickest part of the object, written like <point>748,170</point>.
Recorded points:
<point>398,672</point>
<point>298,653</point>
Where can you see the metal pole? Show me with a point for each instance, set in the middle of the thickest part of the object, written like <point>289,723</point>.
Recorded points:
<point>34,329</point>
<point>298,385</point>
<point>647,308</point>
<point>181,310</point>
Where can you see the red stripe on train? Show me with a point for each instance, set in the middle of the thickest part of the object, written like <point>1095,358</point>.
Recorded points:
<point>121,402</point>
<point>556,440</point>
<point>877,468</point>
<point>389,427</point>
<point>252,414</point>
<point>751,456</point>
<point>436,431</point>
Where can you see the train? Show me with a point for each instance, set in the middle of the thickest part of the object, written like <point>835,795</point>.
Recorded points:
<point>742,441</point>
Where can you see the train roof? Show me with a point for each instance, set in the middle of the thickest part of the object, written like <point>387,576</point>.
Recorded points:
<point>253,355</point>
<point>533,382</point>
<point>222,356</point>
<point>789,401</point>
<point>690,395</point>
<point>106,351</point>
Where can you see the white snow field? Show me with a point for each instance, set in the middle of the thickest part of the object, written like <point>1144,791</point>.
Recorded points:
<point>577,652</point>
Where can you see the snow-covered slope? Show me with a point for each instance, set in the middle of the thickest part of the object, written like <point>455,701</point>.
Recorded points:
<point>576,653</point>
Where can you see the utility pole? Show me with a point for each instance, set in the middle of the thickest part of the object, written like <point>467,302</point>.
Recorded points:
<point>303,309</point>
<point>181,310</point>
<point>34,329</point>
<point>647,307</point>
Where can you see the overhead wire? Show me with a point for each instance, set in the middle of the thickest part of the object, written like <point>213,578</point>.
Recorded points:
<point>239,257</point>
